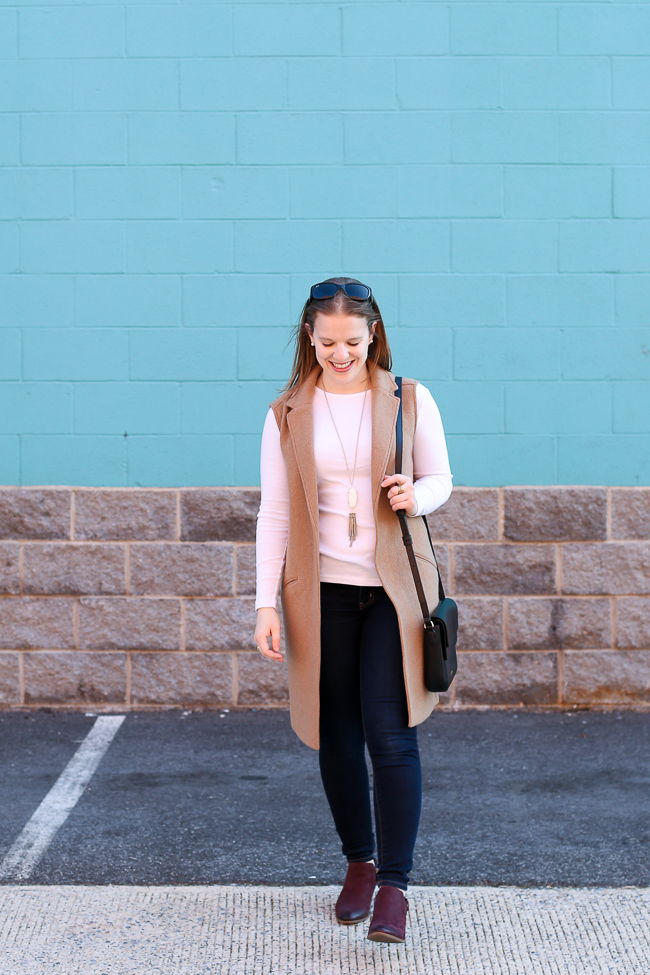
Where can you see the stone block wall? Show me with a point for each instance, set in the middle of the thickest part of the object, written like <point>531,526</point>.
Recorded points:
<point>145,597</point>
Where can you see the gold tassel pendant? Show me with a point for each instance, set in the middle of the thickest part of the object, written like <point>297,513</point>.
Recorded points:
<point>352,527</point>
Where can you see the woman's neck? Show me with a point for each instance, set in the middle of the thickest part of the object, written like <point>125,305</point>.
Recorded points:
<point>359,387</point>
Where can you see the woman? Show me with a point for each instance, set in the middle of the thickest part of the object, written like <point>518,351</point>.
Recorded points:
<point>329,540</point>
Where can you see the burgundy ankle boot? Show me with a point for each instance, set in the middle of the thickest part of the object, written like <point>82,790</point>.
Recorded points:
<point>389,915</point>
<point>353,904</point>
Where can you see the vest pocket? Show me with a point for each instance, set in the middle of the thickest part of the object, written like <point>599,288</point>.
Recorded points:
<point>428,557</point>
<point>429,576</point>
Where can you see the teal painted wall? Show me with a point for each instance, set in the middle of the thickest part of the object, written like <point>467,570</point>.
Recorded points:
<point>175,176</point>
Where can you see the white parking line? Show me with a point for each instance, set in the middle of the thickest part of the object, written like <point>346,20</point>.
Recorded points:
<point>57,805</point>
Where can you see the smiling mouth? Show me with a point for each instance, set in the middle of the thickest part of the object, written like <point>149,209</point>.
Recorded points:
<point>343,368</point>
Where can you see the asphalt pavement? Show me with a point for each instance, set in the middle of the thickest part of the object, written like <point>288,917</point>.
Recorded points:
<point>233,797</point>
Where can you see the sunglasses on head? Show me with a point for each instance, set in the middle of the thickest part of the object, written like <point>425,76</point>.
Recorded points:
<point>327,289</point>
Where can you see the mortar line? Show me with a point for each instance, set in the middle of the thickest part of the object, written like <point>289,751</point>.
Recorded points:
<point>127,696</point>
<point>127,570</point>
<point>21,676</point>
<point>451,569</point>
<point>340,53</point>
<point>608,517</point>
<point>75,623</point>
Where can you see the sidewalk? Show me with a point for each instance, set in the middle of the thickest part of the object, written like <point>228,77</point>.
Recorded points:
<point>291,931</point>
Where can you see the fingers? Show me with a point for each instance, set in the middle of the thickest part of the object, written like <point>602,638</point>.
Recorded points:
<point>262,644</point>
<point>275,637</point>
<point>403,499</point>
<point>271,654</point>
<point>266,651</point>
<point>396,480</point>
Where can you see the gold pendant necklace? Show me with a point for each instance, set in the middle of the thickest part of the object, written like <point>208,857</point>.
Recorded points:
<point>352,491</point>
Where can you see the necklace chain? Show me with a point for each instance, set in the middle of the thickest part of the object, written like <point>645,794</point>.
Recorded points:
<point>352,526</point>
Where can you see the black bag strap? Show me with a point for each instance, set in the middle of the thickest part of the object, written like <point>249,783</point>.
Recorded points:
<point>401,514</point>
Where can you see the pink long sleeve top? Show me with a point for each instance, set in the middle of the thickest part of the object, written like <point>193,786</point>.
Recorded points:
<point>339,561</point>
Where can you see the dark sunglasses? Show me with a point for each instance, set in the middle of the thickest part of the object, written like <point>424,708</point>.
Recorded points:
<point>327,289</point>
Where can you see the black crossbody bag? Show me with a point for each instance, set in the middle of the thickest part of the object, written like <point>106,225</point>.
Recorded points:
<point>441,630</point>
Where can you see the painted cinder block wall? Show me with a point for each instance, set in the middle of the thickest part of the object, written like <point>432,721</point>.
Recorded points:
<point>174,176</point>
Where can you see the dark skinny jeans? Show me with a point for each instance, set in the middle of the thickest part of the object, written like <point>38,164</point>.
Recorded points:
<point>363,702</point>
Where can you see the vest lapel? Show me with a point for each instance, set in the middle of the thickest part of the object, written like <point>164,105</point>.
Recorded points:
<point>300,421</point>
<point>384,415</point>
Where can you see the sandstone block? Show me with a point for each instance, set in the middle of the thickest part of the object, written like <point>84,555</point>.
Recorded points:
<point>73,568</point>
<point>613,567</point>
<point>601,677</point>
<point>9,569</point>
<point>545,624</point>
<point>35,513</point>
<point>548,514</point>
<point>27,623</point>
<point>480,623</point>
<point>219,514</point>
<point>129,624</point>
<point>9,678</point>
<point>182,678</point>
<point>507,678</point>
<point>261,681</point>
<point>631,512</point>
<point>245,555</point>
<point>220,624</point>
<point>125,514</point>
<point>75,678</point>
<point>182,569</point>
<point>470,515</point>
<point>504,569</point>
<point>633,622</point>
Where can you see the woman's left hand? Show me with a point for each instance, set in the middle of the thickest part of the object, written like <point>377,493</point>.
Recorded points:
<point>405,499</point>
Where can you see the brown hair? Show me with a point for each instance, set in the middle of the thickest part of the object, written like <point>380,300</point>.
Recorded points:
<point>305,359</point>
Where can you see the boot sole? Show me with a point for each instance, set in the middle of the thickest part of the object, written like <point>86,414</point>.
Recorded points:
<point>357,920</point>
<point>386,937</point>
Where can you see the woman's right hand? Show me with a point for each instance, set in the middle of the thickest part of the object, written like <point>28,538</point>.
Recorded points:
<point>268,625</point>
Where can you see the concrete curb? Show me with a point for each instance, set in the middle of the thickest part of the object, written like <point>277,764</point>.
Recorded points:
<point>291,931</point>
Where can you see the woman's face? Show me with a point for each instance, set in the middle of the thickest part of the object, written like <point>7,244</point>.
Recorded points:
<point>341,346</point>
